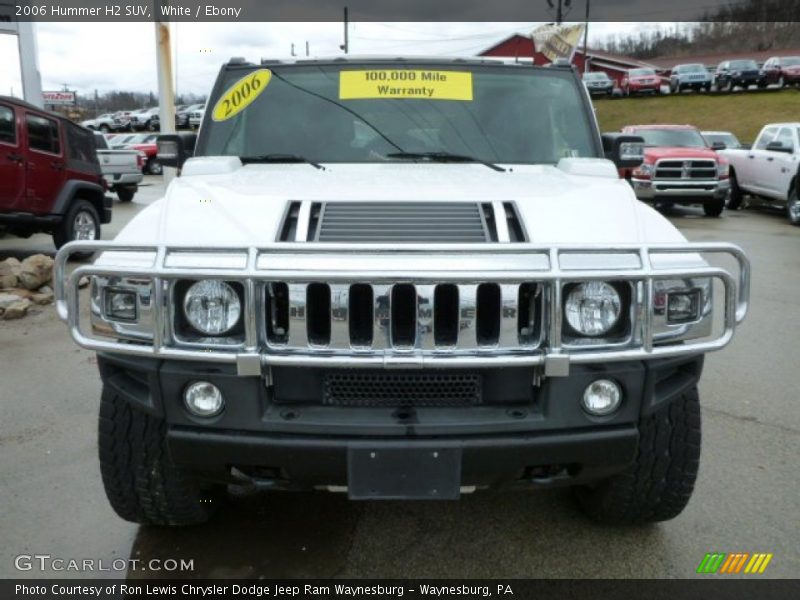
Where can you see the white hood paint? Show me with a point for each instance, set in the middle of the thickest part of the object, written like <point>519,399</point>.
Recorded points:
<point>244,206</point>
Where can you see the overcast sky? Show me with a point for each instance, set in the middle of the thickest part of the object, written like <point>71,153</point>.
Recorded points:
<point>121,56</point>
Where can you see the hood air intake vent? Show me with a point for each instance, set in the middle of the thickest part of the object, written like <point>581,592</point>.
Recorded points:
<point>402,222</point>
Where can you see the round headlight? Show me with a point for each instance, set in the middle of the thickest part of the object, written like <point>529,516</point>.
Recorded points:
<point>593,308</point>
<point>212,307</point>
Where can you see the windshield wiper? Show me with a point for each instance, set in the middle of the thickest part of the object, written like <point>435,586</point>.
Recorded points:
<point>444,157</point>
<point>279,158</point>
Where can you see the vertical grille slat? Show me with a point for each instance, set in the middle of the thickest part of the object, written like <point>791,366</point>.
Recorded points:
<point>509,316</point>
<point>446,315</point>
<point>297,315</point>
<point>277,308</point>
<point>318,314</point>
<point>340,316</point>
<point>426,311</point>
<point>382,315</point>
<point>467,313</point>
<point>488,309</point>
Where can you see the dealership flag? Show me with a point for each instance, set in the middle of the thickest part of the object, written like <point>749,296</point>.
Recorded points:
<point>557,41</point>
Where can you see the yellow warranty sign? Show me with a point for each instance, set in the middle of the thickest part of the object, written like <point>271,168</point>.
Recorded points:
<point>239,96</point>
<point>406,84</point>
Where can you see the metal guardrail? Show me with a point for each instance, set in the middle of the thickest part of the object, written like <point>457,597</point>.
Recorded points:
<point>430,263</point>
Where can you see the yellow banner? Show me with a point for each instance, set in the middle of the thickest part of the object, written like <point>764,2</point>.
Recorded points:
<point>405,84</point>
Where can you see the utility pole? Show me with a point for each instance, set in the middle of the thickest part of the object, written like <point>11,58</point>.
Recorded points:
<point>346,45</point>
<point>586,39</point>
<point>166,93</point>
<point>306,47</point>
<point>293,54</point>
<point>560,13</point>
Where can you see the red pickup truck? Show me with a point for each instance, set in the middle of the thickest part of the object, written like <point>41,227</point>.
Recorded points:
<point>679,168</point>
<point>50,180</point>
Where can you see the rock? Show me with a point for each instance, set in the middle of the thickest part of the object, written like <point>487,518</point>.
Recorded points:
<point>42,298</point>
<point>45,289</point>
<point>7,300</point>
<point>37,270</point>
<point>17,310</point>
<point>83,282</point>
<point>9,269</point>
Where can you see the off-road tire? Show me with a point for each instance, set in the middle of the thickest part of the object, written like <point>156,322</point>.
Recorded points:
<point>66,232</point>
<point>658,485</point>
<point>126,193</point>
<point>793,206</point>
<point>735,196</point>
<point>142,483</point>
<point>105,128</point>
<point>714,208</point>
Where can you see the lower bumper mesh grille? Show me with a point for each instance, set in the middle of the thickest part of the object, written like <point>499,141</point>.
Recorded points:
<point>364,389</point>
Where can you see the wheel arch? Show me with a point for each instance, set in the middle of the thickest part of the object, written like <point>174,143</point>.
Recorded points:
<point>76,189</point>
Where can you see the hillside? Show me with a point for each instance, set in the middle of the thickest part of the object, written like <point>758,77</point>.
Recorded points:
<point>742,113</point>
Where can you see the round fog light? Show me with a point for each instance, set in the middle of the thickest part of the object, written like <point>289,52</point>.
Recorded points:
<point>601,397</point>
<point>203,399</point>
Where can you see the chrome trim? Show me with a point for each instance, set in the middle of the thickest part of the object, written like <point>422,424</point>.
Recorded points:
<point>504,266</point>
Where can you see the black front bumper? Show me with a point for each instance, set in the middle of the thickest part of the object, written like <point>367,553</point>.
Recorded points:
<point>286,437</point>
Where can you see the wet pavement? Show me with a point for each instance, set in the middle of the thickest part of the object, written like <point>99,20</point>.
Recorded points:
<point>52,501</point>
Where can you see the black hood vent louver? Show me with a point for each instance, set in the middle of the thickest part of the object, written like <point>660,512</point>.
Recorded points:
<point>402,222</point>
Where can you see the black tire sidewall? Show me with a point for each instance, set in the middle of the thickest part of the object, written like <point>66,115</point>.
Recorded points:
<point>154,167</point>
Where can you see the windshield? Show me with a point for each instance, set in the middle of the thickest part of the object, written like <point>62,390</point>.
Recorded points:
<point>682,138</point>
<point>728,139</point>
<point>692,69</point>
<point>595,76</point>
<point>377,113</point>
<point>743,64</point>
<point>790,61</point>
<point>642,72</point>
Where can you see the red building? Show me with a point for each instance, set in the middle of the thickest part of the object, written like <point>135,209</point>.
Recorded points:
<point>523,47</point>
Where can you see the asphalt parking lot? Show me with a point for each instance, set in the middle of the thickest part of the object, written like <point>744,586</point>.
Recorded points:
<point>746,499</point>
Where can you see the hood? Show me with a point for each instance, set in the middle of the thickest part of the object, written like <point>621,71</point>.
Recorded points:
<point>246,205</point>
<point>653,154</point>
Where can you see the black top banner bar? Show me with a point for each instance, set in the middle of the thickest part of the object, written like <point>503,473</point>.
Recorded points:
<point>397,10</point>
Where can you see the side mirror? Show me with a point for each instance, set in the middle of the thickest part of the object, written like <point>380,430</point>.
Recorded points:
<point>779,147</point>
<point>718,146</point>
<point>175,148</point>
<point>625,151</point>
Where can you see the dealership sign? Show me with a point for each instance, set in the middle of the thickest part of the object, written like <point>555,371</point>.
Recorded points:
<point>61,98</point>
<point>557,41</point>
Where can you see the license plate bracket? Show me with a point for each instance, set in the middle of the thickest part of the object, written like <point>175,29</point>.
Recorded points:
<point>389,472</point>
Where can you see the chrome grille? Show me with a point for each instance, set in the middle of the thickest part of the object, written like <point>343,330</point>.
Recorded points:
<point>400,316</point>
<point>686,169</point>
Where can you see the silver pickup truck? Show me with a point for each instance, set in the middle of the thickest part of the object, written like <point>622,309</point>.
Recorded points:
<point>122,169</point>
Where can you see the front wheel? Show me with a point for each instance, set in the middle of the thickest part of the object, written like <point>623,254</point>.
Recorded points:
<point>793,207</point>
<point>660,482</point>
<point>714,208</point>
<point>141,482</point>
<point>81,223</point>
<point>735,197</point>
<point>105,128</point>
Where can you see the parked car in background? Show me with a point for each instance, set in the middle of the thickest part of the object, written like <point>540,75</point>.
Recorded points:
<point>717,139</point>
<point>641,81</point>
<point>142,119</point>
<point>679,168</point>
<point>770,170</point>
<point>781,70</point>
<point>693,76</point>
<point>104,123</point>
<point>731,74</point>
<point>598,83</point>
<point>122,169</point>
<point>125,141</point>
<point>182,115</point>
<point>50,180</point>
<point>196,117</point>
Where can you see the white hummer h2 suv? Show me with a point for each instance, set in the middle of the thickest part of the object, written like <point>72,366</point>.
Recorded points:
<point>400,279</point>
